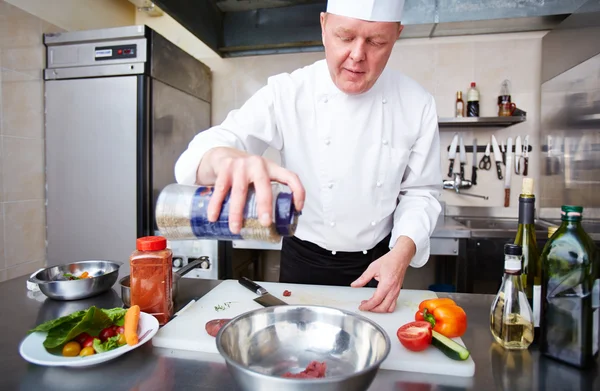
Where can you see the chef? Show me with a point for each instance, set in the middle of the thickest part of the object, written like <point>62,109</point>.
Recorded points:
<point>360,151</point>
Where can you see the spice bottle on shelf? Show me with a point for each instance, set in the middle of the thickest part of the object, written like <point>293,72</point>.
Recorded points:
<point>511,318</point>
<point>182,213</point>
<point>151,280</point>
<point>473,101</point>
<point>460,105</point>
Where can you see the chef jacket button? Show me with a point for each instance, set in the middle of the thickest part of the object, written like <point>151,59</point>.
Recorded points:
<point>378,184</point>
<point>332,223</point>
<point>330,185</point>
<point>327,142</point>
<point>384,101</point>
<point>385,142</point>
<point>325,100</point>
<point>333,252</point>
<point>365,252</point>
<point>373,223</point>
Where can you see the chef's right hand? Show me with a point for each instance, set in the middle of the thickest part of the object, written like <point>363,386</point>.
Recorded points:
<point>230,168</point>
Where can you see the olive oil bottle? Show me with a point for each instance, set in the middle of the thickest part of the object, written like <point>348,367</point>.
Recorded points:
<point>570,293</point>
<point>531,267</point>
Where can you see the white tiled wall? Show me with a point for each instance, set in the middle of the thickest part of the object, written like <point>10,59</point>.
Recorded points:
<point>443,66</point>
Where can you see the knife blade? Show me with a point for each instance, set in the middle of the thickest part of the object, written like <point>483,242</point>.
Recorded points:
<point>474,172</point>
<point>452,154</point>
<point>525,155</point>
<point>265,298</point>
<point>463,157</point>
<point>497,157</point>
<point>518,153</point>
<point>509,157</point>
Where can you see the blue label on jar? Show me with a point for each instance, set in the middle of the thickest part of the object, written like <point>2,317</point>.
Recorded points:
<point>203,228</point>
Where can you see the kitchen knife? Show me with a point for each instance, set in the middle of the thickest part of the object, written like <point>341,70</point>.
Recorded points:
<point>509,156</point>
<point>526,155</point>
<point>518,153</point>
<point>497,156</point>
<point>462,157</point>
<point>474,172</point>
<point>452,154</point>
<point>265,298</point>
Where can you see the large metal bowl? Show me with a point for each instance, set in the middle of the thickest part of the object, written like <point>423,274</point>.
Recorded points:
<point>261,345</point>
<point>53,283</point>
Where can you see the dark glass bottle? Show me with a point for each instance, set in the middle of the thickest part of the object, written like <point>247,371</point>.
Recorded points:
<point>531,266</point>
<point>570,293</point>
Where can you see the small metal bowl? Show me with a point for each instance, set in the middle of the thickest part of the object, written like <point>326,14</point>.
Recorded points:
<point>261,345</point>
<point>55,285</point>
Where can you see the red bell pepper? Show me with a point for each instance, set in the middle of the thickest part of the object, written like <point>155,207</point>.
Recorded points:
<point>445,316</point>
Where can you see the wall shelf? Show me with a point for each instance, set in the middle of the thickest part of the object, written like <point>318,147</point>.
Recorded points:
<point>480,122</point>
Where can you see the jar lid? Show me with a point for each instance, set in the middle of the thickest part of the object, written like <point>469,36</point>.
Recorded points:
<point>151,243</point>
<point>286,216</point>
<point>513,249</point>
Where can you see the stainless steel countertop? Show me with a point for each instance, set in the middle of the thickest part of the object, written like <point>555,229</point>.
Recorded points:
<point>148,368</point>
<point>447,227</point>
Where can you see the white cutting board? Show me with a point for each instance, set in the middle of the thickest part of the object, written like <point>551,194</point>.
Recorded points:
<point>187,331</point>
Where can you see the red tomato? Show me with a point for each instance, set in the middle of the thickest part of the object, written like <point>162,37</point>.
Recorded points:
<point>107,333</point>
<point>89,342</point>
<point>120,330</point>
<point>81,338</point>
<point>415,336</point>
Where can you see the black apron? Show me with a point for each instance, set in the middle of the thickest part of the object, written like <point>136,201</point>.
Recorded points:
<point>304,262</point>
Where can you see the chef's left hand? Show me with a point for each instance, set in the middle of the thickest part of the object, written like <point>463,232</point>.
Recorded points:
<point>389,270</point>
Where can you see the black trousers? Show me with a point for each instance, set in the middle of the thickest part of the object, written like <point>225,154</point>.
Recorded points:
<point>304,262</point>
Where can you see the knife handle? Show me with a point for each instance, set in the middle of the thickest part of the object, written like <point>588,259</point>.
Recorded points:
<point>499,170</point>
<point>462,170</point>
<point>451,168</point>
<point>506,198</point>
<point>251,285</point>
<point>474,176</point>
<point>525,166</point>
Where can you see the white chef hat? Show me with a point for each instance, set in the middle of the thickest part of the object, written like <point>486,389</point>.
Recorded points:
<point>371,10</point>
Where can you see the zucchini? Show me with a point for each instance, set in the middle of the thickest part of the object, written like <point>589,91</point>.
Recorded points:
<point>450,348</point>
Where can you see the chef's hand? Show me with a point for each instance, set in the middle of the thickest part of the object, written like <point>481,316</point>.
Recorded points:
<point>389,270</point>
<point>230,168</point>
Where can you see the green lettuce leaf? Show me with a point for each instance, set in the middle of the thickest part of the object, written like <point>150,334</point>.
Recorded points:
<point>110,344</point>
<point>47,326</point>
<point>116,315</point>
<point>92,323</point>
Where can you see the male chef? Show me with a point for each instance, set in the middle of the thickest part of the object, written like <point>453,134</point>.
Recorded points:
<point>359,147</point>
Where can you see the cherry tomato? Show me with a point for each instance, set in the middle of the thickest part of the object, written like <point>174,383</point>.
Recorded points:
<point>415,336</point>
<point>71,349</point>
<point>81,338</point>
<point>89,342</point>
<point>107,333</point>
<point>122,339</point>
<point>121,330</point>
<point>87,351</point>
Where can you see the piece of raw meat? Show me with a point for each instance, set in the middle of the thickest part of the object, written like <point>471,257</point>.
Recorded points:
<point>213,326</point>
<point>314,370</point>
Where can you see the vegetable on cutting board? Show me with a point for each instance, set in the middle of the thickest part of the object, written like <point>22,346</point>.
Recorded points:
<point>450,348</point>
<point>445,316</point>
<point>415,336</point>
<point>132,318</point>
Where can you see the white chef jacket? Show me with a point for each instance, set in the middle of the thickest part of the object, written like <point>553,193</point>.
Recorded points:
<point>370,163</point>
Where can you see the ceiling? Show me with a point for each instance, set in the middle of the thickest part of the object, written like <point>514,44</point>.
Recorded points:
<point>251,27</point>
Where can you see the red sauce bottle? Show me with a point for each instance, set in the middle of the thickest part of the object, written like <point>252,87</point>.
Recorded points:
<point>151,278</point>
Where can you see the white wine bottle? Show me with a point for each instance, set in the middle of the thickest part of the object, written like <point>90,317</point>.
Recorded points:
<point>531,265</point>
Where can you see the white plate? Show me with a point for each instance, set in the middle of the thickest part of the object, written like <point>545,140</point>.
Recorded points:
<point>33,350</point>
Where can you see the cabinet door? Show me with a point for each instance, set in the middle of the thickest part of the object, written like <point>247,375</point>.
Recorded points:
<point>488,265</point>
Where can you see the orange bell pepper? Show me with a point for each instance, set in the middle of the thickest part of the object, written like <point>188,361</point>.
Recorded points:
<point>444,315</point>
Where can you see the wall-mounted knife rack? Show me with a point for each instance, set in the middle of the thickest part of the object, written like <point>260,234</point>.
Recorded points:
<point>481,148</point>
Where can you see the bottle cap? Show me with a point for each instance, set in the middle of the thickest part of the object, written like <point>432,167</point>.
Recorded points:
<point>571,212</point>
<point>286,216</point>
<point>151,243</point>
<point>513,249</point>
<point>512,265</point>
<point>527,187</point>
<point>459,94</point>
<point>473,84</point>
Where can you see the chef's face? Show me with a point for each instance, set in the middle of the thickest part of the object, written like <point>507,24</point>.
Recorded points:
<point>357,50</point>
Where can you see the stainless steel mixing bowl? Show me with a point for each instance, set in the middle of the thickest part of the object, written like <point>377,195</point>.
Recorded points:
<point>261,345</point>
<point>55,285</point>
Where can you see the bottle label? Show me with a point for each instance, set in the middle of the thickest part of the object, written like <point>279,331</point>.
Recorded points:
<point>537,302</point>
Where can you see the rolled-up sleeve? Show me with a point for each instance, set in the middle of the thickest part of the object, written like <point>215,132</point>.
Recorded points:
<point>418,207</point>
<point>251,128</point>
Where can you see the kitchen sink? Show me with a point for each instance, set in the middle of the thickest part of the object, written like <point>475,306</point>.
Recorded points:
<point>496,227</point>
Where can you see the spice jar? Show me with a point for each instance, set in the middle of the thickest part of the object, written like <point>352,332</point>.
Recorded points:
<point>151,280</point>
<point>182,213</point>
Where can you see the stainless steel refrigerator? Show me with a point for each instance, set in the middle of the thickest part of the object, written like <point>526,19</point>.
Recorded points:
<point>121,105</point>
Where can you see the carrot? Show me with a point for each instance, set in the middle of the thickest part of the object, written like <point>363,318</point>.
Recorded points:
<point>132,317</point>
<point>84,275</point>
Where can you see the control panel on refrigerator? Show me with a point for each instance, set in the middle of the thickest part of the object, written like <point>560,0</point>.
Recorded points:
<point>115,52</point>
